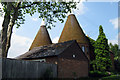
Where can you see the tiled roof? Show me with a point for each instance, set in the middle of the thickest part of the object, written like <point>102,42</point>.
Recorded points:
<point>45,51</point>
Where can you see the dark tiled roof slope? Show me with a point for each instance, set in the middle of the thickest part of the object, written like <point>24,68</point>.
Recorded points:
<point>46,51</point>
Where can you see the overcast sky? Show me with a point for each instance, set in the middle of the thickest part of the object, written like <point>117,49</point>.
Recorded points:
<point>90,15</point>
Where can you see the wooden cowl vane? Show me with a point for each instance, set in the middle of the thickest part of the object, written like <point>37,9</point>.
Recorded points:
<point>42,38</point>
<point>73,31</point>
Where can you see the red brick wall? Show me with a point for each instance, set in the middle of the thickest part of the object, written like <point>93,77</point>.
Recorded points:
<point>67,68</point>
<point>52,60</point>
<point>73,49</point>
<point>68,65</point>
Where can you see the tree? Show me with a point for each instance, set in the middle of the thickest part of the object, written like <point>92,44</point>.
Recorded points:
<point>102,60</point>
<point>15,14</point>
<point>92,48</point>
<point>92,42</point>
<point>115,49</point>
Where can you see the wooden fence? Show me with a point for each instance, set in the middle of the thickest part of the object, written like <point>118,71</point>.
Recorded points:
<point>12,69</point>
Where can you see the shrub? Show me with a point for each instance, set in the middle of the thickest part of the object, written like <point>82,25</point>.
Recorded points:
<point>117,65</point>
<point>98,74</point>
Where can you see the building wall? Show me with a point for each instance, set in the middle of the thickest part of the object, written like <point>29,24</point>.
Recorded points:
<point>71,68</point>
<point>74,49</point>
<point>53,60</point>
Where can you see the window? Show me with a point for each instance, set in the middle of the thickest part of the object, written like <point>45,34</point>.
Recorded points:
<point>73,55</point>
<point>83,48</point>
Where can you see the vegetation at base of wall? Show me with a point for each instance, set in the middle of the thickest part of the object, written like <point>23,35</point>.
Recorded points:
<point>116,51</point>
<point>98,74</point>
<point>112,77</point>
<point>117,66</point>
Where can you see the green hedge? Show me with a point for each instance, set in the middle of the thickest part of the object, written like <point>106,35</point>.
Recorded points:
<point>98,74</point>
<point>112,77</point>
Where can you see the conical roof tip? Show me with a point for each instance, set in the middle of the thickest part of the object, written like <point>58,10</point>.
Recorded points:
<point>71,13</point>
<point>42,38</point>
<point>73,31</point>
<point>43,23</point>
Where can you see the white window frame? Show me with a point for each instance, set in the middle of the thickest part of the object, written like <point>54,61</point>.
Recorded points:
<point>83,48</point>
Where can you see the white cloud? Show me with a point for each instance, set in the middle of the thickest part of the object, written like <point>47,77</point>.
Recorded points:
<point>35,19</point>
<point>81,8</point>
<point>115,22</point>
<point>114,41</point>
<point>55,40</point>
<point>19,45</point>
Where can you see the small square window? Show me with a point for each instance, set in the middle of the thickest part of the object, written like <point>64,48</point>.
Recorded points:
<point>74,56</point>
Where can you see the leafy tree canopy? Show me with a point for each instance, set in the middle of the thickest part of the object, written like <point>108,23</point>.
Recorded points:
<point>48,10</point>
<point>115,49</point>
<point>15,14</point>
<point>92,41</point>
